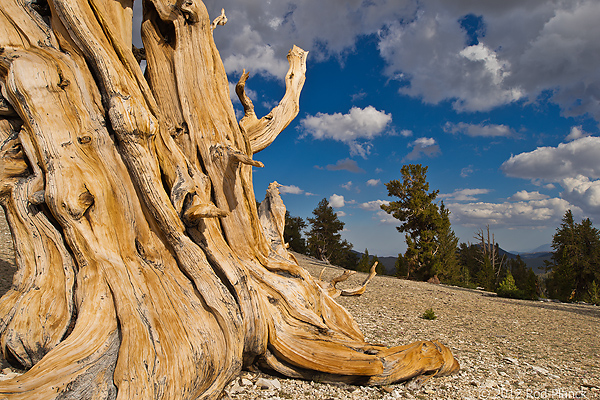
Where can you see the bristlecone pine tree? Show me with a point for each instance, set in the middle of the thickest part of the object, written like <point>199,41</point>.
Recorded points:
<point>144,271</point>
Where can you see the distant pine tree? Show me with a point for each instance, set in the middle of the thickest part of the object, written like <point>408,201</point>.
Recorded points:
<point>364,263</point>
<point>448,269</point>
<point>420,220</point>
<point>324,240</point>
<point>401,267</point>
<point>292,233</point>
<point>575,261</point>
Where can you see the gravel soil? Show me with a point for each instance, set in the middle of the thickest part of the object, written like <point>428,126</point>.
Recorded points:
<point>507,349</point>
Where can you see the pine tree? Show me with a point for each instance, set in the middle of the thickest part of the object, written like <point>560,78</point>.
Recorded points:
<point>576,259</point>
<point>292,233</point>
<point>364,264</point>
<point>524,277</point>
<point>420,217</point>
<point>401,267</point>
<point>448,269</point>
<point>588,270</point>
<point>324,240</point>
<point>508,287</point>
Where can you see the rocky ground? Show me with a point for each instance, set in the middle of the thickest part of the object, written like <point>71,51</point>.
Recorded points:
<point>507,349</point>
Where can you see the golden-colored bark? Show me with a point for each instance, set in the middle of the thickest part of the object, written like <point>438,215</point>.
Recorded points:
<point>145,269</point>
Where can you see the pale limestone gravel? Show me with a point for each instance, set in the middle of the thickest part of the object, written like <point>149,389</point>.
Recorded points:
<point>507,349</point>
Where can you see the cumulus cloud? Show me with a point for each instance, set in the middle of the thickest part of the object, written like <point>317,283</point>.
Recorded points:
<point>583,192</point>
<point>336,201</point>
<point>260,32</point>
<point>347,185</point>
<point>526,49</point>
<point>355,129</point>
<point>346,164</point>
<point>374,205</point>
<point>534,213</point>
<point>522,49</point>
<point>293,189</point>
<point>576,133</point>
<point>574,166</point>
<point>431,60</point>
<point>482,130</point>
<point>373,182</point>
<point>423,147</point>
<point>464,194</point>
<point>385,218</point>
<point>524,195</point>
<point>553,164</point>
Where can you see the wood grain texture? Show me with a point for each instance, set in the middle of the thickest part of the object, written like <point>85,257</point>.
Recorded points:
<point>145,268</point>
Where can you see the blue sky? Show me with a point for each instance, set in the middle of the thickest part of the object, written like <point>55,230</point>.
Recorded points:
<point>500,99</point>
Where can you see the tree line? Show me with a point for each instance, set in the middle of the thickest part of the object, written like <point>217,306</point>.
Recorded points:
<point>434,252</point>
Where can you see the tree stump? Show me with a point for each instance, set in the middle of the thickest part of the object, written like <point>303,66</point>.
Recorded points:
<point>143,269</point>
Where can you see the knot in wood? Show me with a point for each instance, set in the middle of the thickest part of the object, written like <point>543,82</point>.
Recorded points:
<point>84,139</point>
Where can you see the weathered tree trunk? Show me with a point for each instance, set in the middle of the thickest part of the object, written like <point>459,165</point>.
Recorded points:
<point>144,269</point>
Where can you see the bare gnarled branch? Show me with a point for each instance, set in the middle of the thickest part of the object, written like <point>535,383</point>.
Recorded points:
<point>261,133</point>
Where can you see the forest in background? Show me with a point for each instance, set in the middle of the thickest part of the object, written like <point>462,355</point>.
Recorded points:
<point>570,273</point>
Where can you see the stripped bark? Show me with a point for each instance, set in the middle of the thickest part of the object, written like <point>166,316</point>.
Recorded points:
<point>144,268</point>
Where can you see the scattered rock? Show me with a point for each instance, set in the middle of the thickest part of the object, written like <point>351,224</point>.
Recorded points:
<point>245,382</point>
<point>511,360</point>
<point>267,384</point>
<point>540,370</point>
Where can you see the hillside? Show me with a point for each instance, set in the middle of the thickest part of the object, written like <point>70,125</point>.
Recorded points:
<point>535,261</point>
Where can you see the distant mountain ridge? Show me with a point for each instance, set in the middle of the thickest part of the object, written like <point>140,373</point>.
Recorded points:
<point>534,260</point>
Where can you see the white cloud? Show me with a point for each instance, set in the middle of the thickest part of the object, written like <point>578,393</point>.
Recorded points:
<point>576,133</point>
<point>374,205</point>
<point>340,213</point>
<point>464,194</point>
<point>293,189</point>
<point>524,195</point>
<point>429,56</point>
<point>526,49</point>
<point>474,130</point>
<point>423,147</point>
<point>574,166</point>
<point>386,219</point>
<point>347,185</point>
<point>355,129</point>
<point>523,49</point>
<point>250,52</point>
<point>582,192</point>
<point>336,201</point>
<point>406,133</point>
<point>259,33</point>
<point>346,164</point>
<point>373,182</point>
<point>553,164</point>
<point>534,213</point>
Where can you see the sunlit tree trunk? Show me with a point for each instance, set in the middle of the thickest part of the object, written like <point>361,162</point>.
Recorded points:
<point>144,271</point>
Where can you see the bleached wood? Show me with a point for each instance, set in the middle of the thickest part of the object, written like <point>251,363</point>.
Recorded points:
<point>262,132</point>
<point>334,292</point>
<point>144,271</point>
